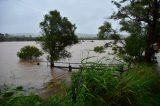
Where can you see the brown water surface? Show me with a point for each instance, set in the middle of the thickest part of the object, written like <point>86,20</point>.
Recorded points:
<point>28,74</point>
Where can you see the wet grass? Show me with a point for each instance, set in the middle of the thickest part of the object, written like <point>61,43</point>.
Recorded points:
<point>139,86</point>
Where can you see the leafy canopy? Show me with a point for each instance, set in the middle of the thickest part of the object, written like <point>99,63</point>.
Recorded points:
<point>141,18</point>
<point>58,33</point>
<point>107,32</point>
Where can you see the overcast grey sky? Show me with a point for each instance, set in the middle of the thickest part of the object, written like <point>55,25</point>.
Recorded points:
<point>24,16</point>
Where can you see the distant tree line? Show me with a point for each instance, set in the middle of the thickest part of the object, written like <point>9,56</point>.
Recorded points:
<point>7,37</point>
<point>88,38</point>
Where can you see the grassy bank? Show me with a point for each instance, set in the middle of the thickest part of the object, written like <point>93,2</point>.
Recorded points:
<point>139,86</point>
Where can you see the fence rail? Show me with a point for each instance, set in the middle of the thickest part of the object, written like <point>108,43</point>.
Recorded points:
<point>70,65</point>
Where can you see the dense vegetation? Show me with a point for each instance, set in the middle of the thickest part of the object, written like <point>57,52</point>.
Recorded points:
<point>107,32</point>
<point>102,86</point>
<point>29,53</point>
<point>140,19</point>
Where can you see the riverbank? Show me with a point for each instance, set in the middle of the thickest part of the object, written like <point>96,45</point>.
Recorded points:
<point>139,86</point>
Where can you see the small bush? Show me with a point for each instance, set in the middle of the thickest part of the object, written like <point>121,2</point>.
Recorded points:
<point>99,49</point>
<point>19,88</point>
<point>29,53</point>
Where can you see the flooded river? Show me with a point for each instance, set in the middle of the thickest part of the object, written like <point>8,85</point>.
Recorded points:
<point>15,72</point>
<point>38,77</point>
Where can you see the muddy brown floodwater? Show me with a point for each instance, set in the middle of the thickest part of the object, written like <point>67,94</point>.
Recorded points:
<point>39,78</point>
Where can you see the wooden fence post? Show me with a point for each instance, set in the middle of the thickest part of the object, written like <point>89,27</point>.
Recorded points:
<point>70,68</point>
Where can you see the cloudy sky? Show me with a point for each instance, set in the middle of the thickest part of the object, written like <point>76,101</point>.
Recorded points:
<point>24,16</point>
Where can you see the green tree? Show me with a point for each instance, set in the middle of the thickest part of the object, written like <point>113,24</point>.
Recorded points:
<point>58,33</point>
<point>135,46</point>
<point>144,12</point>
<point>135,43</point>
<point>107,32</point>
<point>29,53</point>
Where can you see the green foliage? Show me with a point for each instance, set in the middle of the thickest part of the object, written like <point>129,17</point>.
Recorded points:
<point>58,101</point>
<point>135,46</point>
<point>2,37</point>
<point>115,36</point>
<point>106,87</point>
<point>19,88</point>
<point>141,18</point>
<point>99,49</point>
<point>144,82</point>
<point>29,53</point>
<point>58,33</point>
<point>8,94</point>
<point>22,101</point>
<point>107,32</point>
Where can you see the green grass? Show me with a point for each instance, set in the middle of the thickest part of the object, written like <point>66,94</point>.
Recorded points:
<point>139,86</point>
<point>21,101</point>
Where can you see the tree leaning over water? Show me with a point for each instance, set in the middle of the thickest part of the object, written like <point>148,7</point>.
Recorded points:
<point>147,14</point>
<point>58,33</point>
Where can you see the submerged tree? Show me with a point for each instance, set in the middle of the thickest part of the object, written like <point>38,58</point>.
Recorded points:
<point>147,14</point>
<point>29,53</point>
<point>99,49</point>
<point>58,33</point>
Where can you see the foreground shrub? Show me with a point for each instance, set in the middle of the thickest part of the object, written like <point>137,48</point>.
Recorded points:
<point>107,87</point>
<point>29,53</point>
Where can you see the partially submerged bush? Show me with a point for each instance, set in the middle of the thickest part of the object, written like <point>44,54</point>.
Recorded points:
<point>19,88</point>
<point>99,49</point>
<point>29,53</point>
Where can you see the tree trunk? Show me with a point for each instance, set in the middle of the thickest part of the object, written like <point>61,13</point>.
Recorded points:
<point>148,54</point>
<point>151,37</point>
<point>51,63</point>
<point>150,40</point>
